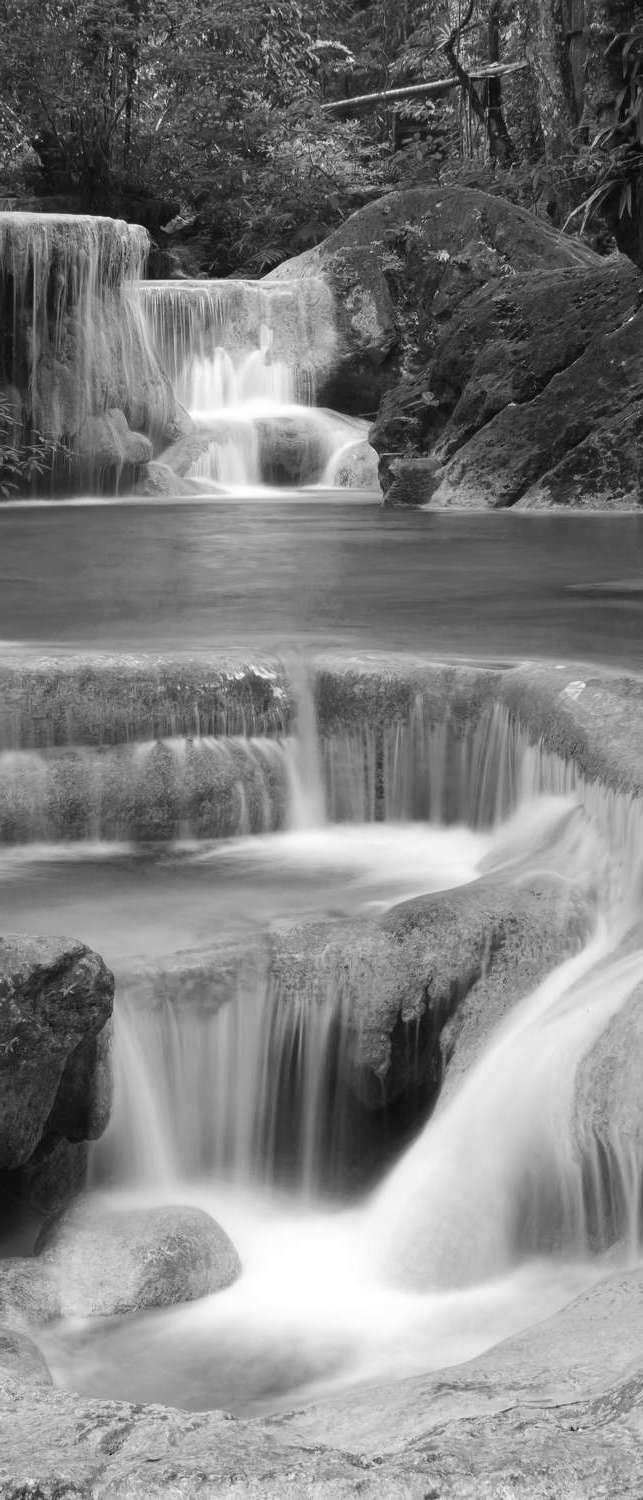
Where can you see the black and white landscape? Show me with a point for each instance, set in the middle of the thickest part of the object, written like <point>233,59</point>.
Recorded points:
<point>321,750</point>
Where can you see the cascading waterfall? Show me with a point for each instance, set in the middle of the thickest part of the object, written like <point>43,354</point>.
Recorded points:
<point>237,1062</point>
<point>76,350</point>
<point>245,359</point>
<point>262,1056</point>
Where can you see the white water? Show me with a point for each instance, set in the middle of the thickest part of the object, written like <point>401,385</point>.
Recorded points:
<point>497,1214</point>
<point>71,313</point>
<point>245,359</point>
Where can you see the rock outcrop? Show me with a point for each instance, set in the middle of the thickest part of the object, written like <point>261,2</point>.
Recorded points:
<point>55,1077</point>
<point>555,1410</point>
<point>402,266</point>
<point>106,1260</point>
<point>503,359</point>
<point>419,990</point>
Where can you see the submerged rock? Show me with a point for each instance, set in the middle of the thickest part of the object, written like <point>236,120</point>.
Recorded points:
<point>56,997</point>
<point>107,1260</point>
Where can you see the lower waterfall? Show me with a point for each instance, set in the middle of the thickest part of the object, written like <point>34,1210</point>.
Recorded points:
<point>379,1235</point>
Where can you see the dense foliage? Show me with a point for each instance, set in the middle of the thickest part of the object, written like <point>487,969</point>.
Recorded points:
<point>213,116</point>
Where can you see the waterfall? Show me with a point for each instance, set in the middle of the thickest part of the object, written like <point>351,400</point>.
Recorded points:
<point>76,350</point>
<point>502,1172</point>
<point>255,1082</point>
<point>245,359</point>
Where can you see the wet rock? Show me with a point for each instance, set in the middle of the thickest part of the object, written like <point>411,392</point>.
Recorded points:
<point>160,479</point>
<point>357,469</point>
<point>107,442</point>
<point>419,990</point>
<point>55,999</point>
<point>107,1260</point>
<point>555,1410</point>
<point>28,1295</point>
<point>21,1359</point>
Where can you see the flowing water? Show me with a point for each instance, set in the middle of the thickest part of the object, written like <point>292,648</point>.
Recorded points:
<point>245,359</point>
<point>234,865</point>
<point>364,1255</point>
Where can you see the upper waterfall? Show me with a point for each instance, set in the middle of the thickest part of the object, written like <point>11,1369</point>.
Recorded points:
<point>78,374</point>
<point>245,358</point>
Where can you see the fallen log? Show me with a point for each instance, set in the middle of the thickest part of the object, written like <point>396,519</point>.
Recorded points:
<point>435,89</point>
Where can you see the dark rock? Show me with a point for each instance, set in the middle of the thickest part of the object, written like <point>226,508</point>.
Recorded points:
<point>55,999</point>
<point>20,1359</point>
<point>529,451</point>
<point>402,266</point>
<point>106,1260</point>
<point>54,1175</point>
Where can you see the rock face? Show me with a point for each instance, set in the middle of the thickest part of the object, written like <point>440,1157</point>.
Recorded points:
<point>106,1260</point>
<point>55,1079</point>
<point>505,358</point>
<point>399,269</point>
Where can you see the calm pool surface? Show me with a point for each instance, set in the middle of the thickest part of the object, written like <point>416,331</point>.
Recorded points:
<point>270,573</point>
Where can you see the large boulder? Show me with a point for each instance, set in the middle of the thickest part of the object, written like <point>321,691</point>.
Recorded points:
<point>578,442</point>
<point>402,266</point>
<point>56,1001</point>
<point>419,990</point>
<point>106,1260</point>
<point>56,998</point>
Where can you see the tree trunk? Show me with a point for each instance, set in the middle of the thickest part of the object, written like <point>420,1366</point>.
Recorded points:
<point>547,51</point>
<point>501,146</point>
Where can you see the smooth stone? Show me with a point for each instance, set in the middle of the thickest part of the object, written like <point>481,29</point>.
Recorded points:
<point>21,1359</point>
<point>108,1260</point>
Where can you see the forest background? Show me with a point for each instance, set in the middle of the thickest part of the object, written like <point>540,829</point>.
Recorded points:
<point>238,133</point>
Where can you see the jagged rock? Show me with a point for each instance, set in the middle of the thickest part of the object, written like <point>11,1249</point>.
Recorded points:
<point>55,999</point>
<point>106,1260</point>
<point>530,451</point>
<point>510,339</point>
<point>400,267</point>
<point>21,1359</point>
<point>28,1295</point>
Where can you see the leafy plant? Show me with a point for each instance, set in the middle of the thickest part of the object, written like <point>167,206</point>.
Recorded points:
<point>22,460</point>
<point>616,151</point>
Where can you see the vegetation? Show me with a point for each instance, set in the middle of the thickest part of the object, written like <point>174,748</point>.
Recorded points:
<point>215,117</point>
